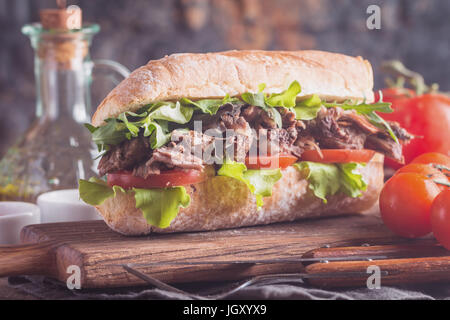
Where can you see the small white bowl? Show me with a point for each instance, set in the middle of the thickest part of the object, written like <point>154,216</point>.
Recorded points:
<point>64,206</point>
<point>14,216</point>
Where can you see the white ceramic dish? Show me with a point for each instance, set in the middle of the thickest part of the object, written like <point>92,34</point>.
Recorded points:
<point>64,206</point>
<point>14,216</point>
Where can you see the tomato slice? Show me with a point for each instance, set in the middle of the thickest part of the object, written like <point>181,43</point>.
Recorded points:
<point>338,155</point>
<point>169,178</point>
<point>270,162</point>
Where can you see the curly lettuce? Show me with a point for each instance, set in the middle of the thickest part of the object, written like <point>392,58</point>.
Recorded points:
<point>259,182</point>
<point>327,179</point>
<point>154,120</point>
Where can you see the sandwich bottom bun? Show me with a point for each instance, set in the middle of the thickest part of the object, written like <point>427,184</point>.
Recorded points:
<point>223,202</point>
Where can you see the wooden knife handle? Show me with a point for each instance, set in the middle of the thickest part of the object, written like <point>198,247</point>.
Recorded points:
<point>356,273</point>
<point>430,249</point>
<point>27,259</point>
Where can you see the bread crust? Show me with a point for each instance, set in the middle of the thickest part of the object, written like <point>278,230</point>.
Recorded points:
<point>332,76</point>
<point>223,202</point>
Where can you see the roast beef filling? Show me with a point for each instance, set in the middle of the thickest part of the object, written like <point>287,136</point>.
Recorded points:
<point>333,128</point>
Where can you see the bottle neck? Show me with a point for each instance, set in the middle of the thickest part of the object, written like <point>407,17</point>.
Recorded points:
<point>62,79</point>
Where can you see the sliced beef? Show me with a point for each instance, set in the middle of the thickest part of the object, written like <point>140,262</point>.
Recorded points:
<point>258,118</point>
<point>304,142</point>
<point>229,124</point>
<point>352,139</point>
<point>184,151</point>
<point>386,145</point>
<point>125,156</point>
<point>239,128</point>
<point>351,118</point>
<point>335,128</point>
<point>401,133</point>
<point>331,133</point>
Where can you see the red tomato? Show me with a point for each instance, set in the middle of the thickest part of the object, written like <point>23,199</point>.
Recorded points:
<point>405,204</point>
<point>338,155</point>
<point>391,94</point>
<point>440,218</point>
<point>426,170</point>
<point>270,162</point>
<point>426,116</point>
<point>433,157</point>
<point>169,178</point>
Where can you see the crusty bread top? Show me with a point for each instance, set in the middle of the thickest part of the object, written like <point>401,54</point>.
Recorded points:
<point>330,75</point>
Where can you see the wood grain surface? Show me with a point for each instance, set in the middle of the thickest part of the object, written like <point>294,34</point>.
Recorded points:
<point>100,252</point>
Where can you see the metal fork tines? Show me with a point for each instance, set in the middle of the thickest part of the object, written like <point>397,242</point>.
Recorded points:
<point>270,279</point>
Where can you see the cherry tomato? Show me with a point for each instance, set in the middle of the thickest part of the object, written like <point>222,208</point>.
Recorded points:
<point>405,204</point>
<point>338,155</point>
<point>426,116</point>
<point>169,178</point>
<point>426,170</point>
<point>440,218</point>
<point>270,162</point>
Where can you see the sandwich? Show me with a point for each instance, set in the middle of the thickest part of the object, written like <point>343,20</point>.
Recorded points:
<point>196,142</point>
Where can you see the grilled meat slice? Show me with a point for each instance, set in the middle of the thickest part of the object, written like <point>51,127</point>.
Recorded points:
<point>184,151</point>
<point>125,156</point>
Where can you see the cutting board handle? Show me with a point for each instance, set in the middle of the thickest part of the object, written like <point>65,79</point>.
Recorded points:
<point>27,259</point>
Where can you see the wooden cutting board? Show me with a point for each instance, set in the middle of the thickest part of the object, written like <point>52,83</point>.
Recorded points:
<point>100,252</point>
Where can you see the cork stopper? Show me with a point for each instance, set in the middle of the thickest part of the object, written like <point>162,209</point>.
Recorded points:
<point>62,49</point>
<point>62,18</point>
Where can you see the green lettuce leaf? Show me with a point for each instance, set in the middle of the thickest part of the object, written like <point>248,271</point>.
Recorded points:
<point>169,111</point>
<point>258,100</point>
<point>352,182</point>
<point>259,182</point>
<point>262,182</point>
<point>323,178</point>
<point>269,102</point>
<point>161,206</point>
<point>285,98</point>
<point>307,109</point>
<point>95,191</point>
<point>327,179</point>
<point>112,133</point>
<point>210,106</point>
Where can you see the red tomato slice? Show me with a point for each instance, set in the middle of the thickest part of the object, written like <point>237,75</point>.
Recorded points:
<point>338,155</point>
<point>169,178</point>
<point>270,162</point>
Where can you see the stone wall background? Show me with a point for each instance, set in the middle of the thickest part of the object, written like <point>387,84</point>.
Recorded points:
<point>135,31</point>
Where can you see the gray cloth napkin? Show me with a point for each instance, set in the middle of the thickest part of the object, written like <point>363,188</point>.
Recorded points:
<point>45,288</point>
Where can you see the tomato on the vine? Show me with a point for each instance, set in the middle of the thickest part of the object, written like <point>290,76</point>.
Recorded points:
<point>426,116</point>
<point>393,94</point>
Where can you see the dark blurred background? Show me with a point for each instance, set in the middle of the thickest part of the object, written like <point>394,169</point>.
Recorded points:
<point>135,31</point>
